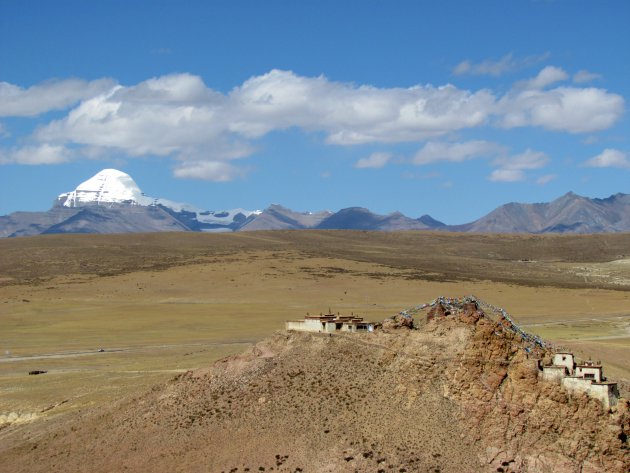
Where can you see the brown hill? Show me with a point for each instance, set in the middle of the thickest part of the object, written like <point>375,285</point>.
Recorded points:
<point>358,218</point>
<point>570,213</point>
<point>522,259</point>
<point>459,393</point>
<point>276,217</point>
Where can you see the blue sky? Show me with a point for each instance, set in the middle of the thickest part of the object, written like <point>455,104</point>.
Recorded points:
<point>449,108</point>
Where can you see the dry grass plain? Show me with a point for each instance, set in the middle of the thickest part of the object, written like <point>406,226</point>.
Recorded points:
<point>159,304</point>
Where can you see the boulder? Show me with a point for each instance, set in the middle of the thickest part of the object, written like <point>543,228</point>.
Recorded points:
<point>438,310</point>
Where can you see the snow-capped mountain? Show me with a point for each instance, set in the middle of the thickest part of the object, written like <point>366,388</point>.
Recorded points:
<point>109,186</point>
<point>113,188</point>
<point>112,202</point>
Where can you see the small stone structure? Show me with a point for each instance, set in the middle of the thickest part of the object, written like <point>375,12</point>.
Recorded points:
<point>565,359</point>
<point>330,323</point>
<point>590,370</point>
<point>586,377</point>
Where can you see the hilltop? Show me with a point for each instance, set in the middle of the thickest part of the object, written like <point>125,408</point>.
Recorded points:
<point>458,393</point>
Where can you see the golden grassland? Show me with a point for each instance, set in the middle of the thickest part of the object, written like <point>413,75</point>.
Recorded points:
<point>163,303</point>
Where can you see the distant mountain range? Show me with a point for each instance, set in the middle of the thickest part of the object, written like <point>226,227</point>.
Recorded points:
<point>111,202</point>
<point>570,213</point>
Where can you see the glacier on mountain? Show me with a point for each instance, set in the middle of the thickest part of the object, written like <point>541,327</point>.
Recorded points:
<point>111,187</point>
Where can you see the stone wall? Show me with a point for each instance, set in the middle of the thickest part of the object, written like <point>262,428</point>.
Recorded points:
<point>553,373</point>
<point>596,371</point>
<point>607,393</point>
<point>564,359</point>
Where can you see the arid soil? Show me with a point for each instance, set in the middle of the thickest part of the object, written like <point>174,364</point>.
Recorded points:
<point>459,394</point>
<point>163,305</point>
<point>522,259</point>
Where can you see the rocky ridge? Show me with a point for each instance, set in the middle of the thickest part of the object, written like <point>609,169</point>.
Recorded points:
<point>570,213</point>
<point>105,204</point>
<point>454,392</point>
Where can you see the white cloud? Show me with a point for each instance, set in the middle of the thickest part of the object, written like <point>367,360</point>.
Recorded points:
<point>498,67</point>
<point>529,159</point>
<point>375,160</point>
<point>174,113</point>
<point>583,76</point>
<point>351,114</point>
<point>546,179</point>
<point>31,155</point>
<point>547,76</point>
<point>16,101</point>
<point>435,151</point>
<point>507,175</point>
<point>570,109</point>
<point>512,168</point>
<point>609,158</point>
<point>180,117</point>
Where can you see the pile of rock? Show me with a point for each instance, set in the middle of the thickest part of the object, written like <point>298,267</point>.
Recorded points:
<point>398,321</point>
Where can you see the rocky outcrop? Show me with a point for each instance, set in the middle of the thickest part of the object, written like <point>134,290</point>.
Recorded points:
<point>398,321</point>
<point>459,393</point>
<point>438,310</point>
<point>521,423</point>
<point>570,213</point>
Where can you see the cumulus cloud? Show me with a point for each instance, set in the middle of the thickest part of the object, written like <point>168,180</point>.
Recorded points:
<point>351,114</point>
<point>529,159</point>
<point>31,155</point>
<point>172,113</point>
<point>570,109</point>
<point>512,168</point>
<point>375,160</point>
<point>547,76</point>
<point>179,116</point>
<point>609,158</point>
<point>16,101</point>
<point>204,131</point>
<point>497,67</point>
<point>435,151</point>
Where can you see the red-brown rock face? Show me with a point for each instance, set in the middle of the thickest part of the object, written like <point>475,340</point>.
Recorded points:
<point>522,423</point>
<point>457,394</point>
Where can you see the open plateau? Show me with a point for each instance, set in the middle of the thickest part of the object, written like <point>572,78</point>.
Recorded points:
<point>169,352</point>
